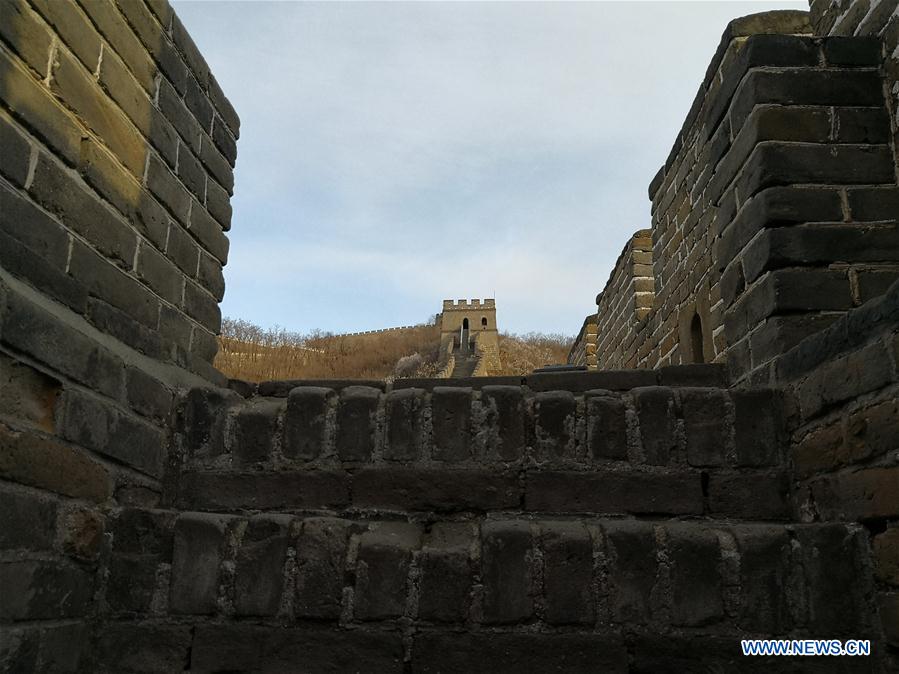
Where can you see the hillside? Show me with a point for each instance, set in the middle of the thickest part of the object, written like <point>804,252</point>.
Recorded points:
<point>253,353</point>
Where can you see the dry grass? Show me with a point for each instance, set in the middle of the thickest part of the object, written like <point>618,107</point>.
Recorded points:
<point>252,353</point>
<point>522,354</point>
<point>249,352</point>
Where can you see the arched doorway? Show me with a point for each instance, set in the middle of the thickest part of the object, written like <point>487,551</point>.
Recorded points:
<point>696,339</point>
<point>463,337</point>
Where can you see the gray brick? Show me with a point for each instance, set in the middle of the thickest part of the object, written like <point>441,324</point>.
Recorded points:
<point>28,395</point>
<point>655,413</point>
<point>506,572</point>
<point>606,427</point>
<point>29,521</point>
<point>61,193</point>
<point>188,49</point>
<point>259,573</point>
<point>218,203</point>
<point>39,461</point>
<point>759,427</point>
<point>111,284</point>
<point>15,153</point>
<point>27,99</point>
<point>197,102</point>
<point>774,164</point>
<point>505,410</point>
<point>151,34</point>
<point>118,82</point>
<point>77,88</point>
<point>25,263</point>
<point>202,307</point>
<point>445,573</point>
<point>705,414</point>
<point>114,28</point>
<point>198,554</point>
<point>43,590</point>
<point>356,422</point>
<point>191,173</point>
<point>254,432</point>
<point>224,141</point>
<point>170,192</point>
<point>93,423</point>
<point>41,335</point>
<point>451,421</point>
<point>676,493</point>
<point>555,422</point>
<point>217,166</point>
<point>116,323</point>
<point>174,110</point>
<point>632,569</point>
<point>321,556</point>
<point>435,489</point>
<point>210,276</point>
<point>209,233</point>
<point>74,29</point>
<point>382,569</point>
<point>764,578</point>
<point>696,583</point>
<point>146,394</point>
<point>404,409</point>
<point>568,573</point>
<point>161,275</point>
<point>182,250</point>
<point>223,107</point>
<point>293,490</point>
<point>26,34</point>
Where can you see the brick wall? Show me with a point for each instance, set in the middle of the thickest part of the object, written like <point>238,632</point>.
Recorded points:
<point>878,18</point>
<point>775,212</point>
<point>504,527</point>
<point>845,384</point>
<point>624,305</point>
<point>583,350</point>
<point>117,147</point>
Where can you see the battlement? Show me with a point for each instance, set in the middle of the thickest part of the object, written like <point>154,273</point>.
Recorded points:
<point>469,305</point>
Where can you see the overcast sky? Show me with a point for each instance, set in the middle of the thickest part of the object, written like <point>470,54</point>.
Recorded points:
<point>392,155</point>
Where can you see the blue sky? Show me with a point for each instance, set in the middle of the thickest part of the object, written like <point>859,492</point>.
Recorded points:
<point>395,154</point>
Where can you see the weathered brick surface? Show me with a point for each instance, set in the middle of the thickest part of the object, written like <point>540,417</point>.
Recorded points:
<point>506,572</point>
<point>197,558</point>
<point>446,573</point>
<point>258,581</point>
<point>451,421</point>
<point>356,423</point>
<point>382,570</point>
<point>38,590</point>
<point>568,573</point>
<point>321,557</point>
<point>265,491</point>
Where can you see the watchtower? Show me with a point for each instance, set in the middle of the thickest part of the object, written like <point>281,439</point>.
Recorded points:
<point>469,326</point>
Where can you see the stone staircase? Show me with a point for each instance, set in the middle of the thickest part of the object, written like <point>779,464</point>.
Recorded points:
<point>635,521</point>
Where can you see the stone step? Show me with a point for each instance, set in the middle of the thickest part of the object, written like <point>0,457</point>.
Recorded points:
<point>740,494</point>
<point>706,374</point>
<point>496,428</point>
<point>532,594</point>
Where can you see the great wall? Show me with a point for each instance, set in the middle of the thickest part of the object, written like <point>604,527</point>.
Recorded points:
<point>726,468</point>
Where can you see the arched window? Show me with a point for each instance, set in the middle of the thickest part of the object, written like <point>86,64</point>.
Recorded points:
<point>696,339</point>
<point>483,321</point>
<point>465,324</point>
